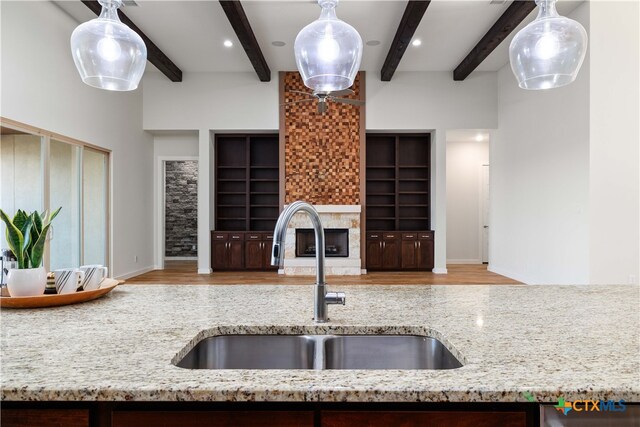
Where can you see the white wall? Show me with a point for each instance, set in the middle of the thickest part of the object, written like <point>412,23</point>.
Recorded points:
<point>540,180</point>
<point>465,160</point>
<point>41,87</point>
<point>564,181</point>
<point>615,141</point>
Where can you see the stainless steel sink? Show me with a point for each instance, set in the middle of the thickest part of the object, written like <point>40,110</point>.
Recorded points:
<point>319,352</point>
<point>252,352</point>
<point>387,352</point>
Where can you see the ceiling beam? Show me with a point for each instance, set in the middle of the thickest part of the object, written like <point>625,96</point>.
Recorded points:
<point>154,54</point>
<point>406,29</point>
<point>240,23</point>
<point>510,19</point>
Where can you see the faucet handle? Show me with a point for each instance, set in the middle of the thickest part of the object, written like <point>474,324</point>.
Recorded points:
<point>335,298</point>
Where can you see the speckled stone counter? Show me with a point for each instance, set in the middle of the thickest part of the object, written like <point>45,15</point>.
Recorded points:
<point>571,341</point>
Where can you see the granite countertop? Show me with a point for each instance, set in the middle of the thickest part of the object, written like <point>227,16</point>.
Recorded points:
<point>550,341</point>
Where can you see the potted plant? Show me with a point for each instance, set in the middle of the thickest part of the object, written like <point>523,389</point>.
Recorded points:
<point>26,236</point>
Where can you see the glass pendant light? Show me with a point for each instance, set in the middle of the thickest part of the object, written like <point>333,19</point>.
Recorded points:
<point>328,51</point>
<point>108,54</point>
<point>548,52</point>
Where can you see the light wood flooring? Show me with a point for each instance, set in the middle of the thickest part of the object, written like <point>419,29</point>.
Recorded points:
<point>185,273</point>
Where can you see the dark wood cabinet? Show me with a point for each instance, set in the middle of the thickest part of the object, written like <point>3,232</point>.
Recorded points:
<point>45,417</point>
<point>399,250</point>
<point>398,197</point>
<point>286,414</point>
<point>227,251</point>
<point>212,418</point>
<point>241,251</point>
<point>258,251</point>
<point>422,419</point>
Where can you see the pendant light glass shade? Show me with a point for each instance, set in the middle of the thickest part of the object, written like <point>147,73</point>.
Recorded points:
<point>548,52</point>
<point>328,51</point>
<point>108,54</point>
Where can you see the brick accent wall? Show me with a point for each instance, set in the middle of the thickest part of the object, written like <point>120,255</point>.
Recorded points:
<point>181,208</point>
<point>322,151</point>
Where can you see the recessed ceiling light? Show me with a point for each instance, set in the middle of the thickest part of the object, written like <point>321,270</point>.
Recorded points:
<point>278,43</point>
<point>227,43</point>
<point>416,42</point>
<point>373,42</point>
<point>479,137</point>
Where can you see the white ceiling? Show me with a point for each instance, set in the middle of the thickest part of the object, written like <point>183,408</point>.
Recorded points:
<point>191,33</point>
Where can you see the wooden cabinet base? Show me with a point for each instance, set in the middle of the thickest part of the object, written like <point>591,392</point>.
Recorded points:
<point>45,417</point>
<point>422,419</point>
<point>212,418</point>
<point>264,414</point>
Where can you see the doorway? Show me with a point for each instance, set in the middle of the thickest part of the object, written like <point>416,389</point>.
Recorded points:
<point>180,210</point>
<point>467,177</point>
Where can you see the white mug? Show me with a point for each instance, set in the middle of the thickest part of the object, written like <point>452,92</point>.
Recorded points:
<point>67,279</point>
<point>93,275</point>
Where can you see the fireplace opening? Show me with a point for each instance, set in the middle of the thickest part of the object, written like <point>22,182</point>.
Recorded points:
<point>336,242</point>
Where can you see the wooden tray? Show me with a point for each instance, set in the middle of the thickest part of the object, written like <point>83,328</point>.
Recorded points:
<point>55,300</point>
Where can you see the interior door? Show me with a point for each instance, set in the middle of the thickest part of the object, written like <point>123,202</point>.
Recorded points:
<point>485,214</point>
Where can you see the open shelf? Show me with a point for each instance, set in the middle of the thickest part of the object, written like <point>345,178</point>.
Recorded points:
<point>247,182</point>
<point>398,183</point>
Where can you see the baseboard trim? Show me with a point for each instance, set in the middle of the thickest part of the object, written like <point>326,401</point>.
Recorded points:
<point>204,271</point>
<point>181,258</point>
<point>439,271</point>
<point>464,261</point>
<point>135,273</point>
<point>509,274</point>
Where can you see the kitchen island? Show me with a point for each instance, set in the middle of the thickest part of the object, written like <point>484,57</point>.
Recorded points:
<point>517,344</point>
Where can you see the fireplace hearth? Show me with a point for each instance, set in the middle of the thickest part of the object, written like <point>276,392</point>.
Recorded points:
<point>336,242</point>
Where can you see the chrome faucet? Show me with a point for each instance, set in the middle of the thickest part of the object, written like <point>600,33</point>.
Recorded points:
<point>321,298</point>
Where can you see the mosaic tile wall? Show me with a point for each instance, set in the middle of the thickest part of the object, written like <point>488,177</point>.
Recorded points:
<point>322,151</point>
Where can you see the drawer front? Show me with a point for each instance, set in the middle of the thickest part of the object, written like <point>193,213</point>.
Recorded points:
<point>425,235</point>
<point>374,236</point>
<point>219,236</point>
<point>236,236</point>
<point>254,236</point>
<point>267,236</point>
<point>390,236</point>
<point>409,236</point>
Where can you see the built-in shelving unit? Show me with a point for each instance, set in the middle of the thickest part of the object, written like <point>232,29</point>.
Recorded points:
<point>246,196</point>
<point>398,182</point>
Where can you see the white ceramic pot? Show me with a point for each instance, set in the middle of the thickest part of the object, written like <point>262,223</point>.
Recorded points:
<point>26,282</point>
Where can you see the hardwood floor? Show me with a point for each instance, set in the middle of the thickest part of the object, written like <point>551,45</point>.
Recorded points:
<point>184,273</point>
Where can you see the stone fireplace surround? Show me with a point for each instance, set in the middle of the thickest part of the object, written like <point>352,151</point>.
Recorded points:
<point>332,216</point>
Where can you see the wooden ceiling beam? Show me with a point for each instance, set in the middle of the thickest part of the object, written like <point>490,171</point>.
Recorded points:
<point>406,29</point>
<point>240,23</point>
<point>154,54</point>
<point>510,19</point>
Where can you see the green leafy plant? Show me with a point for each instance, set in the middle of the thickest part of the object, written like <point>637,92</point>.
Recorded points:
<point>26,235</point>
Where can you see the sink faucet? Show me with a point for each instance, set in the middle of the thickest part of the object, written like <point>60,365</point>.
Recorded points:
<point>321,298</point>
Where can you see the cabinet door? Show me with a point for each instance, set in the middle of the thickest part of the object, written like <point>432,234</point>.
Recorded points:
<point>409,256</point>
<point>422,419</point>
<point>45,417</point>
<point>425,255</point>
<point>390,255</point>
<point>253,254</point>
<point>235,253</point>
<point>212,418</point>
<point>374,254</point>
<point>219,255</point>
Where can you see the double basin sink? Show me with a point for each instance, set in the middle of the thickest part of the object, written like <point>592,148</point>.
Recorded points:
<point>319,352</point>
